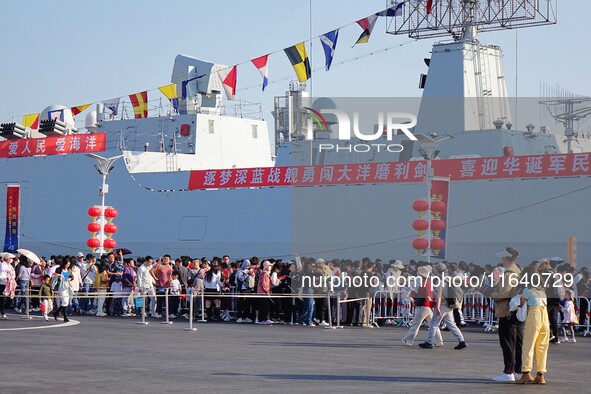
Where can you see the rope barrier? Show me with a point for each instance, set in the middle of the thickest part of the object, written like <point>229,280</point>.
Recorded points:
<point>477,307</point>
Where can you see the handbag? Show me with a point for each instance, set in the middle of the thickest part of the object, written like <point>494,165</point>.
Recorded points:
<point>522,313</point>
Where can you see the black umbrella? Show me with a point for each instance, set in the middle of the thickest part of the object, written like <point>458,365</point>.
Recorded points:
<point>123,251</point>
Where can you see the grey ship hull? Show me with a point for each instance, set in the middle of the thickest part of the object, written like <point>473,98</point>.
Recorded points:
<point>534,215</point>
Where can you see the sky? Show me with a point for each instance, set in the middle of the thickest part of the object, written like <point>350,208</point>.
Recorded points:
<point>74,52</point>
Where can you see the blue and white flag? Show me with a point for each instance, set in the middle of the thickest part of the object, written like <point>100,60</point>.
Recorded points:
<point>329,44</point>
<point>112,105</point>
<point>395,10</point>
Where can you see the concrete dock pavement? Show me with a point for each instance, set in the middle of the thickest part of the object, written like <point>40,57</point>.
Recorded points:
<point>117,355</point>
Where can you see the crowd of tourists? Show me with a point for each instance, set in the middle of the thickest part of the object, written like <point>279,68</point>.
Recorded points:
<point>276,292</point>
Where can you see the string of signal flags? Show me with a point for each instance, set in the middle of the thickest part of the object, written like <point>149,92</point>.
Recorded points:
<point>296,54</point>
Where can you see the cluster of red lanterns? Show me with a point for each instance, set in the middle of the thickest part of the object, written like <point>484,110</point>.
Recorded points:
<point>110,228</point>
<point>421,225</point>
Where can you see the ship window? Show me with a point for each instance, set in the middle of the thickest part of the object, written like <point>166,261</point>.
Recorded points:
<point>255,131</point>
<point>210,126</point>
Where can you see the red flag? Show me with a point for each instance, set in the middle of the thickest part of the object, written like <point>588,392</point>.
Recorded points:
<point>429,6</point>
<point>229,78</point>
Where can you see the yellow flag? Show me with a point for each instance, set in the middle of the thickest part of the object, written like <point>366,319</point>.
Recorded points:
<point>169,91</point>
<point>79,108</point>
<point>31,121</point>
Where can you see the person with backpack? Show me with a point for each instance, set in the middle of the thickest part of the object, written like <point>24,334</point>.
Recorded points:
<point>60,284</point>
<point>447,298</point>
<point>243,276</point>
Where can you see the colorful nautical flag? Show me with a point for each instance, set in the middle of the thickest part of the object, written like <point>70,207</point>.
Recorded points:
<point>329,44</point>
<point>170,92</point>
<point>79,108</point>
<point>229,77</point>
<point>429,6</point>
<point>139,101</point>
<point>31,121</point>
<point>395,10</point>
<point>262,65</point>
<point>367,25</point>
<point>112,105</point>
<point>184,85</point>
<point>299,60</point>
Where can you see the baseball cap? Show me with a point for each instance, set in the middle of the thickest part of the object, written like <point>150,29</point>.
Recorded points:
<point>79,254</point>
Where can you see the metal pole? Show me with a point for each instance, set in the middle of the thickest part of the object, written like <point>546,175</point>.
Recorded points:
<point>27,296</point>
<point>329,311</point>
<point>203,319</point>
<point>167,321</point>
<point>191,328</point>
<point>102,235</point>
<point>144,322</point>
<point>338,311</point>
<point>429,178</point>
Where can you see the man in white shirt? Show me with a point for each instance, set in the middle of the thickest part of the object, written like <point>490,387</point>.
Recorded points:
<point>146,281</point>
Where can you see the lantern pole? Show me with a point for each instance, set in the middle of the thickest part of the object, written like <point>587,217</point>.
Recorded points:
<point>428,180</point>
<point>103,193</point>
<point>429,152</point>
<point>104,167</point>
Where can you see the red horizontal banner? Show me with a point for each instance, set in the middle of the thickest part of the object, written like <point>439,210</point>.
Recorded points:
<point>504,167</point>
<point>72,143</point>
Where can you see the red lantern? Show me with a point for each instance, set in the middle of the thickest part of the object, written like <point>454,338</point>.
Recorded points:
<point>110,228</point>
<point>437,225</point>
<point>420,225</point>
<point>109,243</point>
<point>111,213</point>
<point>93,243</point>
<point>437,244</point>
<point>437,207</point>
<point>420,244</point>
<point>94,212</point>
<point>420,206</point>
<point>94,227</point>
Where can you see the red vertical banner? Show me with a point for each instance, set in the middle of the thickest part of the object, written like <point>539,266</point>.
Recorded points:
<point>440,191</point>
<point>12,218</point>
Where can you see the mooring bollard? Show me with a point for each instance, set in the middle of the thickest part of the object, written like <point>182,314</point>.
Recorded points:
<point>191,328</point>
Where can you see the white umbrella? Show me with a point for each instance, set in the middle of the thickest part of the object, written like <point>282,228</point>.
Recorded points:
<point>30,255</point>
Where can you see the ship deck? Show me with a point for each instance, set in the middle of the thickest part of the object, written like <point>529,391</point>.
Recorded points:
<point>116,355</point>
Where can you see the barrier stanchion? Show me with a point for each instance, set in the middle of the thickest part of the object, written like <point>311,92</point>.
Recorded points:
<point>27,297</point>
<point>338,311</point>
<point>203,319</point>
<point>143,322</point>
<point>190,328</point>
<point>167,320</point>
<point>330,326</point>
<point>588,318</point>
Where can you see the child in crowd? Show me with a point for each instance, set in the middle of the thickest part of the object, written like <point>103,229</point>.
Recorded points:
<point>45,296</point>
<point>175,292</point>
<point>116,307</point>
<point>570,317</point>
